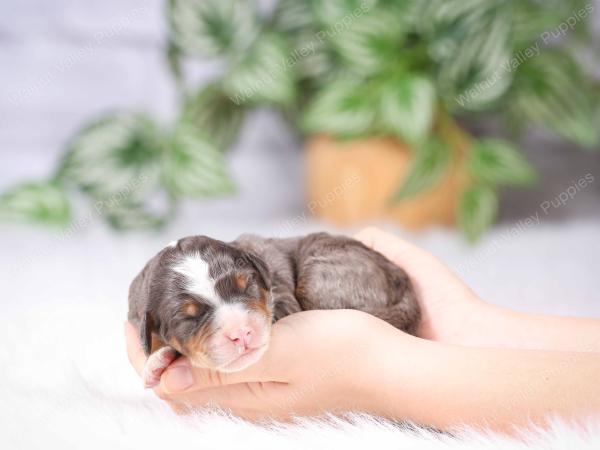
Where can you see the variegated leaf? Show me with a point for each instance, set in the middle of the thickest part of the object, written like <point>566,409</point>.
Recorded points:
<point>309,53</point>
<point>551,91</point>
<point>477,210</point>
<point>335,14</point>
<point>313,58</point>
<point>43,202</point>
<point>116,155</point>
<point>135,216</point>
<point>341,108</point>
<point>214,113</point>
<point>213,27</point>
<point>292,16</point>
<point>471,41</point>
<point>371,41</point>
<point>498,162</point>
<point>428,165</point>
<point>407,107</point>
<point>194,166</point>
<point>534,20</point>
<point>264,74</point>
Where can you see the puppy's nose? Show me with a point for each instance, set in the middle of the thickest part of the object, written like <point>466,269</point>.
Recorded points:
<point>241,336</point>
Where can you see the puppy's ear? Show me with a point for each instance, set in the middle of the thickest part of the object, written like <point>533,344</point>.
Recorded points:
<point>146,327</point>
<point>260,267</point>
<point>140,305</point>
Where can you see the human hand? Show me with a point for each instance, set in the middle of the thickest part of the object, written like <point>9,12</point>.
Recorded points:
<point>317,361</point>
<point>450,309</point>
<point>339,360</point>
<point>452,313</point>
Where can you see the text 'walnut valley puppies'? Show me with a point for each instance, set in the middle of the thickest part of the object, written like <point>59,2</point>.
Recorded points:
<point>214,302</point>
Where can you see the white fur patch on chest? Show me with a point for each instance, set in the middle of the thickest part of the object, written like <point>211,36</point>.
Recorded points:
<point>197,276</point>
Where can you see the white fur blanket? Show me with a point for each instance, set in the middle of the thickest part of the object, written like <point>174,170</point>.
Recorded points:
<point>65,381</point>
<point>61,392</point>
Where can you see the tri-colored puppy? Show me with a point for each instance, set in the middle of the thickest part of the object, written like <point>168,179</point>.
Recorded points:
<point>214,302</point>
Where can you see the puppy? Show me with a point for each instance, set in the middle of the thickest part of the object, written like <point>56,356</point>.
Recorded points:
<point>215,302</point>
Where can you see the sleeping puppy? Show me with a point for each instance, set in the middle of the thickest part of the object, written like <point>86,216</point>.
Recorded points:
<point>215,302</point>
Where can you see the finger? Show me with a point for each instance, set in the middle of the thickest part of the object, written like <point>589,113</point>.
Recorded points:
<point>243,399</point>
<point>182,377</point>
<point>396,249</point>
<point>135,353</point>
<point>385,243</point>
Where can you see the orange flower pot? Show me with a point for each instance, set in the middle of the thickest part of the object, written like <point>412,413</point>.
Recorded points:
<point>353,181</point>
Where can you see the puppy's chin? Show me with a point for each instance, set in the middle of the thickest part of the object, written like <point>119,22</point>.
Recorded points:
<point>244,361</point>
<point>236,364</point>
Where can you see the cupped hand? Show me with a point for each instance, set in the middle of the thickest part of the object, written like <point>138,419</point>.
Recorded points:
<point>331,361</point>
<point>450,309</point>
<point>317,361</point>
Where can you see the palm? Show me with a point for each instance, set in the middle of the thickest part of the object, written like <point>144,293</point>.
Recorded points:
<point>446,302</point>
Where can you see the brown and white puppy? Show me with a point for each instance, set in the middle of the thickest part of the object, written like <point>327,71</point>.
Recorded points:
<point>214,302</point>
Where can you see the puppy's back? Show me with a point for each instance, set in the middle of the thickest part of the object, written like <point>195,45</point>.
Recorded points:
<point>337,272</point>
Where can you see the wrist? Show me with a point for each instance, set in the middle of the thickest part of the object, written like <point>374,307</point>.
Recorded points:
<point>381,377</point>
<point>506,328</point>
<point>487,325</point>
<point>463,322</point>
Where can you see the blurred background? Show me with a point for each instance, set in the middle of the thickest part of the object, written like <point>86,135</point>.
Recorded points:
<point>469,127</point>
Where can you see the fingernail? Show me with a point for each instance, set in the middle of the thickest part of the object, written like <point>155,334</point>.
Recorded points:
<point>178,378</point>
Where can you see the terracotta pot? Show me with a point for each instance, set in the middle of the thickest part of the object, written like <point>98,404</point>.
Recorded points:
<point>352,181</point>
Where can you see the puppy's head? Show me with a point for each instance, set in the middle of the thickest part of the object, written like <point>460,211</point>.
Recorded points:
<point>208,300</point>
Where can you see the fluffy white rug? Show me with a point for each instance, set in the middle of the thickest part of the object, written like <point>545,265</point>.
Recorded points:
<point>65,381</point>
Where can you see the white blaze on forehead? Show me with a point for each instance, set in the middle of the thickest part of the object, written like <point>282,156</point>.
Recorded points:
<point>233,315</point>
<point>197,278</point>
<point>172,244</point>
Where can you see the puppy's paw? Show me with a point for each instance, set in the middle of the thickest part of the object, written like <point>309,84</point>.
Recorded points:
<point>156,364</point>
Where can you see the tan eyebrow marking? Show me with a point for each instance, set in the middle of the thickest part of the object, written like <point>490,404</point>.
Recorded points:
<point>259,305</point>
<point>191,309</point>
<point>241,281</point>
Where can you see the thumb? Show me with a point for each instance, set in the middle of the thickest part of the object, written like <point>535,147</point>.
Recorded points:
<point>400,252</point>
<point>389,245</point>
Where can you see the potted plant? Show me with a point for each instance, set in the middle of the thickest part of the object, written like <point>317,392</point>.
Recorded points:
<point>378,87</point>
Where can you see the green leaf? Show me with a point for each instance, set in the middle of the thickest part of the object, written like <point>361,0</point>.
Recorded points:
<point>292,16</point>
<point>193,166</point>
<point>264,74</point>
<point>214,114</point>
<point>338,13</point>
<point>313,58</point>
<point>407,107</point>
<point>116,155</point>
<point>370,42</point>
<point>429,163</point>
<point>212,27</point>
<point>470,40</point>
<point>135,216</point>
<point>498,162</point>
<point>550,90</point>
<point>477,210</point>
<point>43,202</point>
<point>342,108</point>
<point>310,56</point>
<point>532,19</point>
<point>173,56</point>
